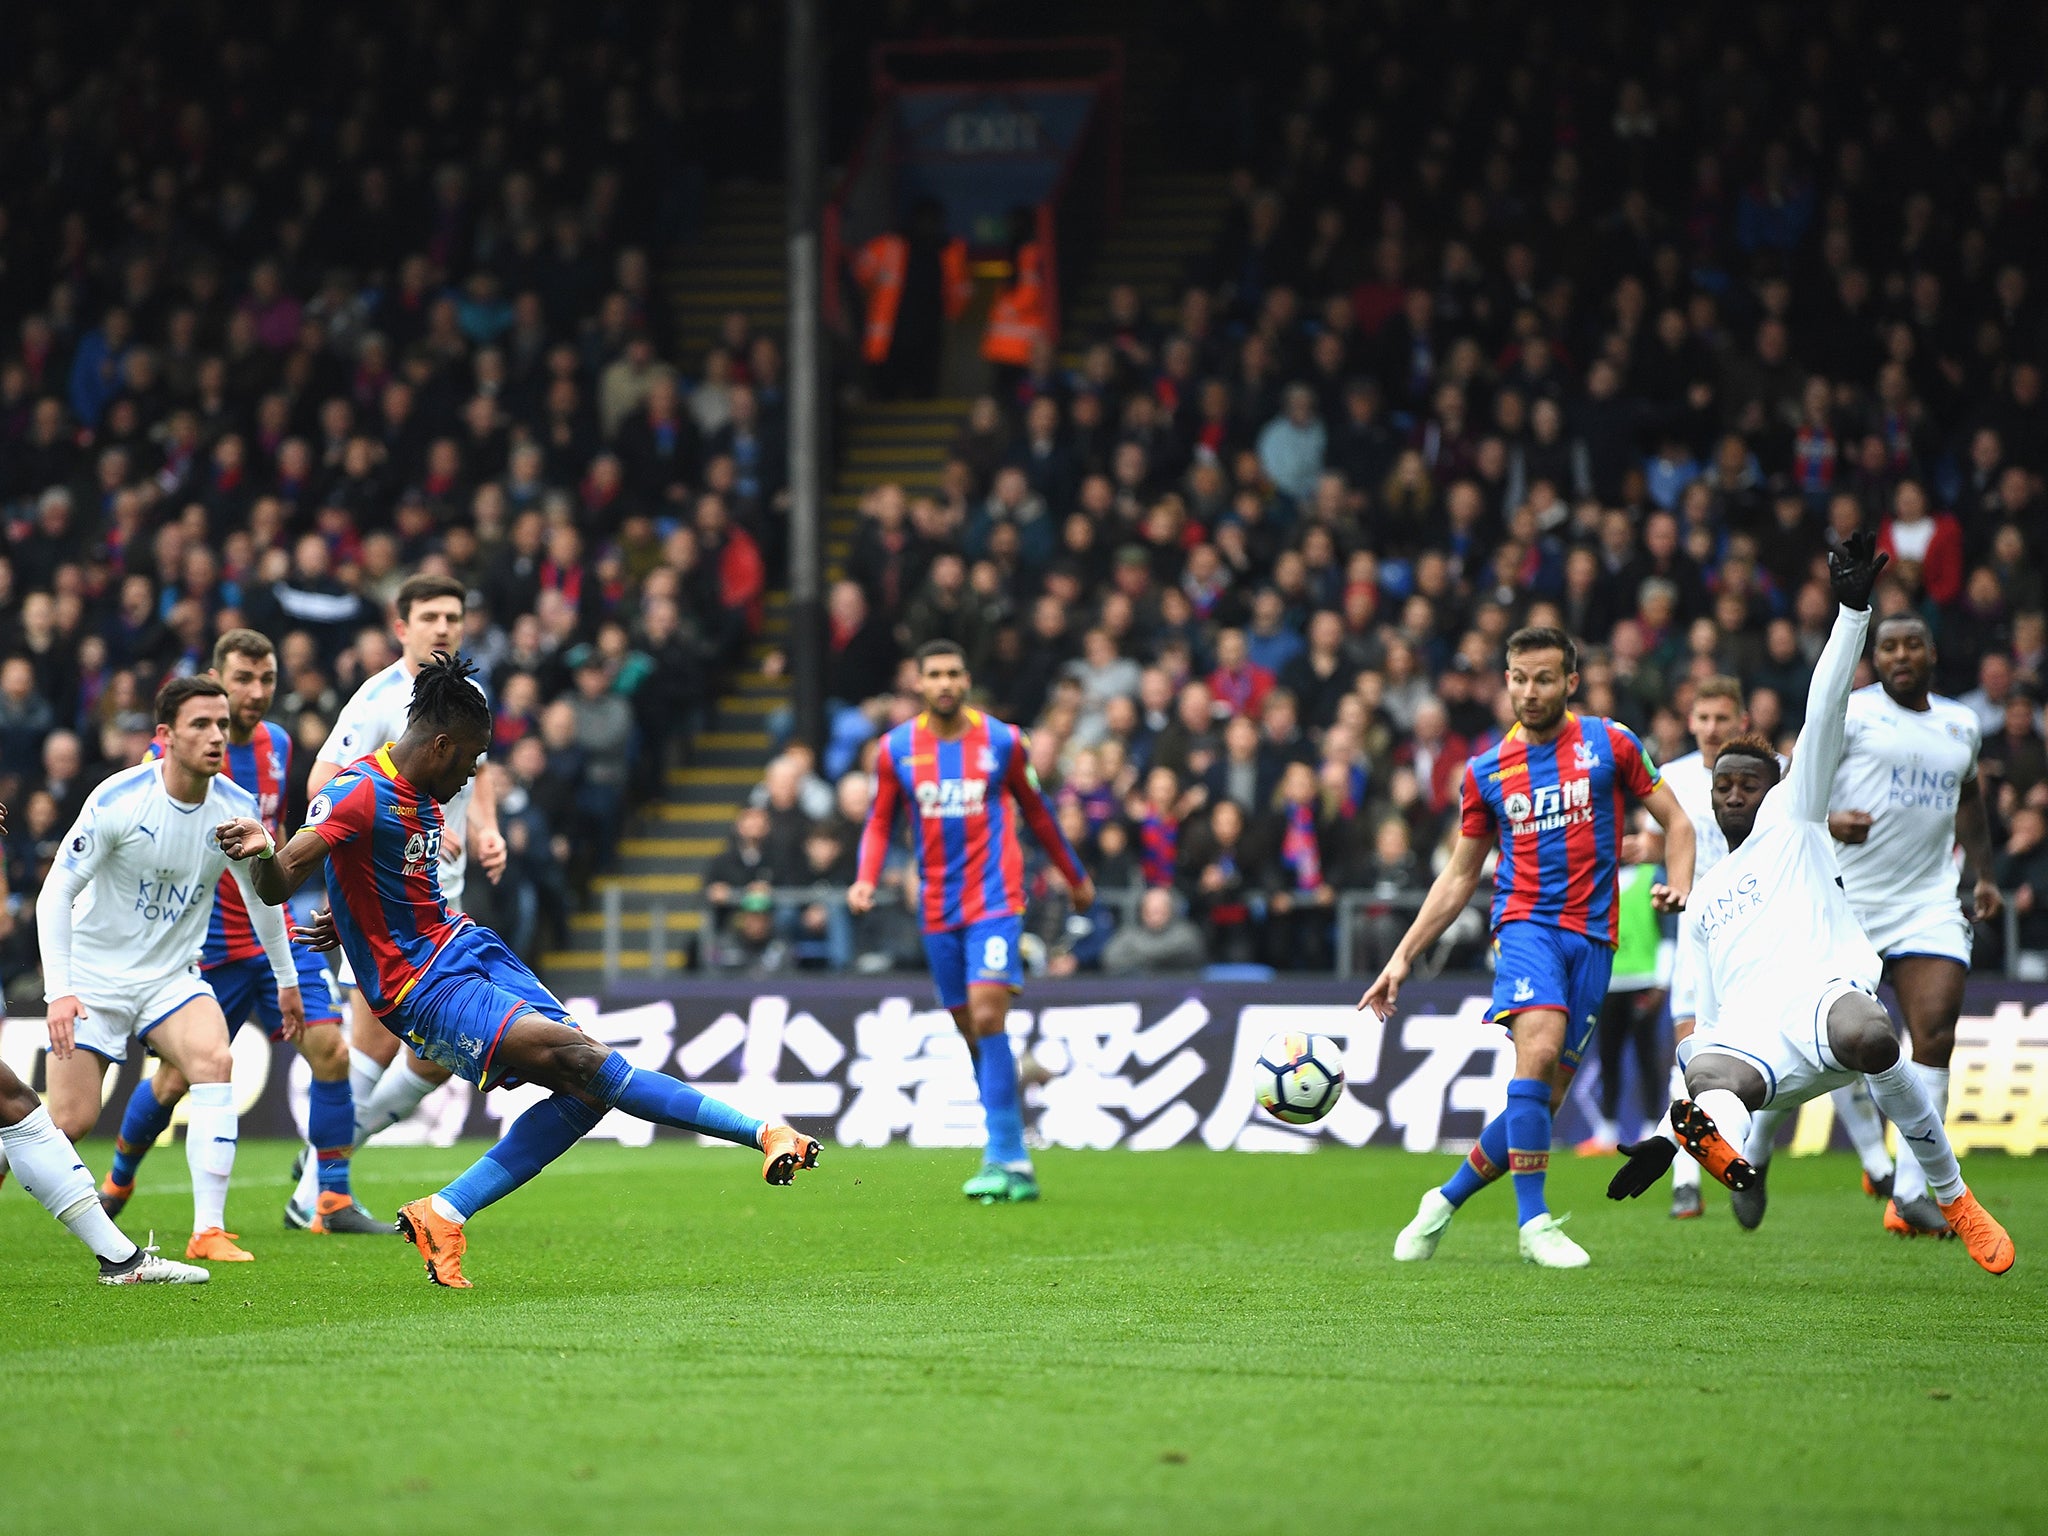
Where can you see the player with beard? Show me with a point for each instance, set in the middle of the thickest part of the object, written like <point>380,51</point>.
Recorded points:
<point>1549,797</point>
<point>959,772</point>
<point>1904,798</point>
<point>1786,979</point>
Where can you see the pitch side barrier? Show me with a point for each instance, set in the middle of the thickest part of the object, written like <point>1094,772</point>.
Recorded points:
<point>1140,1064</point>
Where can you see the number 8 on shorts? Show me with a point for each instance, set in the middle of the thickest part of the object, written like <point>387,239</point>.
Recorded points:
<point>981,954</point>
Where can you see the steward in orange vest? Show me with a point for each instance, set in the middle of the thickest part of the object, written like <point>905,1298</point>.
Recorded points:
<point>911,286</point>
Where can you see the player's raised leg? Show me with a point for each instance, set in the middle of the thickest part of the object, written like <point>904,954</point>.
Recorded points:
<point>586,1079</point>
<point>48,1166</point>
<point>147,1117</point>
<point>1930,993</point>
<point>194,1039</point>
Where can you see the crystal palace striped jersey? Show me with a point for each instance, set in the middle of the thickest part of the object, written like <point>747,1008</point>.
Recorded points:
<point>959,793</point>
<point>383,841</point>
<point>1557,811</point>
<point>261,765</point>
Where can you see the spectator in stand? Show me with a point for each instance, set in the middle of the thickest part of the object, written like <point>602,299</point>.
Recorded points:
<point>2023,870</point>
<point>2015,757</point>
<point>1161,942</point>
<point>1220,885</point>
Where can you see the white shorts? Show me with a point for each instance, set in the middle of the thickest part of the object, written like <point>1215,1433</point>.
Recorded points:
<point>1789,1049</point>
<point>1934,926</point>
<point>114,1013</point>
<point>1682,1005</point>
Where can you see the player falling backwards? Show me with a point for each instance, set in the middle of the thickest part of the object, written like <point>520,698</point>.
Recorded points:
<point>259,756</point>
<point>47,1164</point>
<point>386,1083</point>
<point>1906,795</point>
<point>451,989</point>
<point>1717,718</point>
<point>1549,795</point>
<point>959,771</point>
<point>123,961</point>
<point>1787,981</point>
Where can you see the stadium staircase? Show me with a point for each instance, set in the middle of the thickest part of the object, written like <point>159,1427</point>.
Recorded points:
<point>655,884</point>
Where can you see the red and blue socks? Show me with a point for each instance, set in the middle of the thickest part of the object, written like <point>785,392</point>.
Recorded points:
<point>995,1073</point>
<point>331,1128</point>
<point>1487,1161</point>
<point>1528,1125</point>
<point>141,1123</point>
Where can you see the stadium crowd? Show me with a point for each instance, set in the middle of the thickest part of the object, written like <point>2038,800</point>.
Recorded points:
<point>296,304</point>
<point>1607,326</point>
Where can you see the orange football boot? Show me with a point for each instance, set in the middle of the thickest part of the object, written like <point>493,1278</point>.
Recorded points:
<point>217,1247</point>
<point>784,1152</point>
<point>1596,1146</point>
<point>1989,1243</point>
<point>1698,1134</point>
<point>441,1242</point>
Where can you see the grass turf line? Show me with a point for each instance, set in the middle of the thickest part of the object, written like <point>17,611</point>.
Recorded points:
<point>1181,1341</point>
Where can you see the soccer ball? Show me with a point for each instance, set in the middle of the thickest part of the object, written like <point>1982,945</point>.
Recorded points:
<point>1299,1077</point>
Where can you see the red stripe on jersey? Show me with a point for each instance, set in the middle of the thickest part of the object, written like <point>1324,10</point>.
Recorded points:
<point>974,850</point>
<point>1524,873</point>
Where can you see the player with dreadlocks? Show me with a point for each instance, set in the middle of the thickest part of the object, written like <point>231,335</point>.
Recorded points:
<point>451,989</point>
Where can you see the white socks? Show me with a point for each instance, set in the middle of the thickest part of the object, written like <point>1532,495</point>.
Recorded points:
<point>1730,1115</point>
<point>397,1094</point>
<point>1865,1127</point>
<point>210,1151</point>
<point>307,1194</point>
<point>363,1072</point>
<point>1763,1137</point>
<point>1685,1173</point>
<point>1910,1182</point>
<point>1904,1100</point>
<point>446,1211</point>
<point>48,1167</point>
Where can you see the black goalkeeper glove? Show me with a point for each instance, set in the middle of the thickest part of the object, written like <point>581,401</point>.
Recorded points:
<point>1853,568</point>
<point>1648,1161</point>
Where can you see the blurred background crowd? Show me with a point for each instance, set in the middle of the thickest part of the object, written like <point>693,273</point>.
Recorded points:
<point>1612,322</point>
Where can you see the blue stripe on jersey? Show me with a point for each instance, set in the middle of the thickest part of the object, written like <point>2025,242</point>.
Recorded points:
<point>952,759</point>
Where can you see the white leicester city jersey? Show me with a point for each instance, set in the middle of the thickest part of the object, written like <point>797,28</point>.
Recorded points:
<point>150,866</point>
<point>1771,922</point>
<point>376,715</point>
<point>1907,768</point>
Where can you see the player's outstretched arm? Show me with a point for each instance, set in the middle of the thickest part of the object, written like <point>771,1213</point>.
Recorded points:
<point>274,873</point>
<point>1447,896</point>
<point>1973,831</point>
<point>1022,783</point>
<point>1853,569</point>
<point>874,836</point>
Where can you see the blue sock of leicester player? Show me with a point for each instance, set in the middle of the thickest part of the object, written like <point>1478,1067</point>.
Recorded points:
<point>141,1123</point>
<point>995,1071</point>
<point>1487,1161</point>
<point>1528,1118</point>
<point>331,1127</point>
<point>555,1125</point>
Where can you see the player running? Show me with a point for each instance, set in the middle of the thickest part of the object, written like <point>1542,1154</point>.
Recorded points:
<point>49,1169</point>
<point>1717,718</point>
<point>958,769</point>
<point>387,1084</point>
<point>450,988</point>
<point>125,960</point>
<point>1786,979</point>
<point>259,756</point>
<point>1549,796</point>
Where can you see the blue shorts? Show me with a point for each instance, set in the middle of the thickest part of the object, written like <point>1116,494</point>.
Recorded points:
<point>1538,966</point>
<point>983,953</point>
<point>247,993</point>
<point>459,1010</point>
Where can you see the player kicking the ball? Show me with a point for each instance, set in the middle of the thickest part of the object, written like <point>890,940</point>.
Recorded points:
<point>125,961</point>
<point>1550,797</point>
<point>1905,796</point>
<point>451,989</point>
<point>959,771</point>
<point>1786,998</point>
<point>259,759</point>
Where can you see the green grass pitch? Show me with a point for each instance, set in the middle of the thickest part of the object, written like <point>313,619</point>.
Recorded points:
<point>1181,1341</point>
